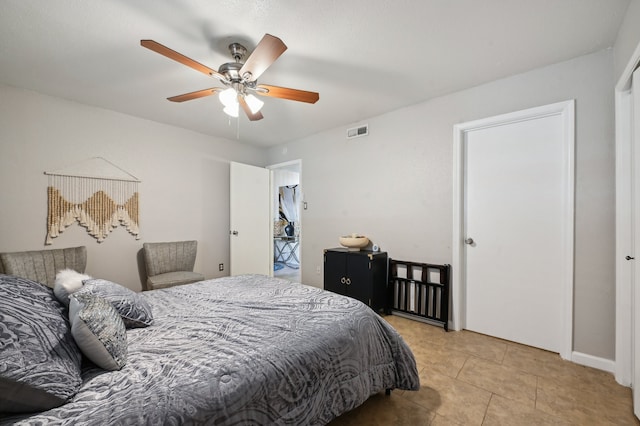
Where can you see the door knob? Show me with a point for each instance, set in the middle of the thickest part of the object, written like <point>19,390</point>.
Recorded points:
<point>629,257</point>
<point>234,232</point>
<point>468,241</point>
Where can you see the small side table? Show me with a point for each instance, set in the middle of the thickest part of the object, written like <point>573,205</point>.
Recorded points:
<point>285,251</point>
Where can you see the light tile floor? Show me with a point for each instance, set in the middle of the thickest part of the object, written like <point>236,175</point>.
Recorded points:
<point>472,379</point>
<point>291,274</point>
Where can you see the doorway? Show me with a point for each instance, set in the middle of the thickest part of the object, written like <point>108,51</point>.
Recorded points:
<point>513,226</point>
<point>287,224</point>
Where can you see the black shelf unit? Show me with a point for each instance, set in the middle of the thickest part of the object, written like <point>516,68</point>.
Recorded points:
<point>358,274</point>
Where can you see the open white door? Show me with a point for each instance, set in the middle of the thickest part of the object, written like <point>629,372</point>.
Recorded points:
<point>635,291</point>
<point>251,247</point>
<point>627,369</point>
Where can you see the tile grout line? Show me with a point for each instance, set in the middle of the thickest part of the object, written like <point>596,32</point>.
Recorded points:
<point>461,368</point>
<point>504,354</point>
<point>486,410</point>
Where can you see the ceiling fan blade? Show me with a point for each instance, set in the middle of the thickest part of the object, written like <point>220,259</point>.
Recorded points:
<point>195,95</point>
<point>286,93</point>
<point>252,117</point>
<point>266,52</point>
<point>179,57</point>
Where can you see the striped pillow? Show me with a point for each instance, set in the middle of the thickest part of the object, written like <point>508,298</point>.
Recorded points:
<point>132,307</point>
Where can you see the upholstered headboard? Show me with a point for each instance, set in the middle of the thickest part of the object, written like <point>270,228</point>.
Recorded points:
<point>42,265</point>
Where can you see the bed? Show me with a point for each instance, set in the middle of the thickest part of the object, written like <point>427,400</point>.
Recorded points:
<point>240,350</point>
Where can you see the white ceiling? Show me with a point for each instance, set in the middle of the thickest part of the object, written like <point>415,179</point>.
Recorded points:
<point>364,57</point>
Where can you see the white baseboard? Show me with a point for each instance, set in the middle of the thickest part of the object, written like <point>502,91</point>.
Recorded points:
<point>593,361</point>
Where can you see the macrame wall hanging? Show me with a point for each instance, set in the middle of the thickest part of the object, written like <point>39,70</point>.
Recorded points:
<point>95,193</point>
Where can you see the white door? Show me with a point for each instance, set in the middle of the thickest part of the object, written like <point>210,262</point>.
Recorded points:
<point>250,236</point>
<point>627,369</point>
<point>517,226</point>
<point>635,290</point>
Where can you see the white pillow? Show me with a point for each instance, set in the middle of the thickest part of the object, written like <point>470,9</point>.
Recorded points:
<point>68,281</point>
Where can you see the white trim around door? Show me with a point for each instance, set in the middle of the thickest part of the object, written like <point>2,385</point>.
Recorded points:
<point>567,111</point>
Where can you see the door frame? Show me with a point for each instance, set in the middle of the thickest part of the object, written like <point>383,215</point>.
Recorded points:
<point>624,238</point>
<point>458,282</point>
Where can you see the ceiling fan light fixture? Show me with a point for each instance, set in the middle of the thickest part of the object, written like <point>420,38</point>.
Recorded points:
<point>232,110</point>
<point>229,97</point>
<point>254,103</point>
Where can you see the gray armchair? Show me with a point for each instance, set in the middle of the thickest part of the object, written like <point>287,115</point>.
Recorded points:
<point>170,263</point>
<point>43,265</point>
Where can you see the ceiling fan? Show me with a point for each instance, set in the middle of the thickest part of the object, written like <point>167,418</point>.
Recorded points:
<point>240,78</point>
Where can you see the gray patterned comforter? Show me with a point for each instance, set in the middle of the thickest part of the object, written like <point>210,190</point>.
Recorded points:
<point>244,350</point>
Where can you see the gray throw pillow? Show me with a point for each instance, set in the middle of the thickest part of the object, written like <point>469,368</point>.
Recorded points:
<point>98,331</point>
<point>39,360</point>
<point>132,307</point>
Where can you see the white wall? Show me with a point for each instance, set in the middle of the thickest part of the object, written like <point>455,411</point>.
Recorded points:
<point>395,185</point>
<point>184,192</point>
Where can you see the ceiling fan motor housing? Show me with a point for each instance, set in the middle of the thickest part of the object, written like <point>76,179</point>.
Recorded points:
<point>231,70</point>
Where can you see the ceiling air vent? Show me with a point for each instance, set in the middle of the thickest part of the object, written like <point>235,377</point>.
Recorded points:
<point>356,132</point>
